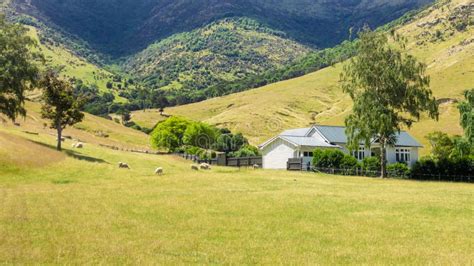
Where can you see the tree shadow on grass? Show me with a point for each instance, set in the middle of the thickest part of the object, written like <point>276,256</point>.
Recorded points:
<point>73,154</point>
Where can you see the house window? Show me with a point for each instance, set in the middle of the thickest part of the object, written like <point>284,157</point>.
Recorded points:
<point>359,154</point>
<point>308,154</point>
<point>403,155</point>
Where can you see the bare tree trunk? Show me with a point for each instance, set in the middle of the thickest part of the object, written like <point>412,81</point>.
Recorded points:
<point>383,158</point>
<point>60,132</point>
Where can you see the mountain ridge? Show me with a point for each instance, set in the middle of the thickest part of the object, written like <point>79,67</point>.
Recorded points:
<point>124,27</point>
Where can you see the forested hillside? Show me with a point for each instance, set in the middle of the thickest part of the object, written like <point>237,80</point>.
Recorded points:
<point>187,64</point>
<point>123,27</point>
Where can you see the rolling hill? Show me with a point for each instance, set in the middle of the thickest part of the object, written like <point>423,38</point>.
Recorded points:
<point>441,37</point>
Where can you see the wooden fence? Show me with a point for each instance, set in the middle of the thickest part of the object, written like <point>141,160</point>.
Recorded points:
<point>223,160</point>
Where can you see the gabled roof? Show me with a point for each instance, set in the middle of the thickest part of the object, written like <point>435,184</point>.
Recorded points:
<point>334,135</point>
<point>337,134</point>
<point>308,141</point>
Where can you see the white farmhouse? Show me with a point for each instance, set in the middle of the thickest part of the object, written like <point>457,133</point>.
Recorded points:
<point>300,143</point>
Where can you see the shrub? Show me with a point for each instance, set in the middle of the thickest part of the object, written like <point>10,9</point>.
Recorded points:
<point>246,151</point>
<point>371,164</point>
<point>329,158</point>
<point>349,163</point>
<point>398,170</point>
<point>429,169</point>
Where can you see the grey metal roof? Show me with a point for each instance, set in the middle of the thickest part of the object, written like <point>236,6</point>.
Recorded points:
<point>299,132</point>
<point>307,141</point>
<point>336,134</point>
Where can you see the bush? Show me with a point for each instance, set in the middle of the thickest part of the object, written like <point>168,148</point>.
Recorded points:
<point>329,158</point>
<point>349,163</point>
<point>371,164</point>
<point>447,170</point>
<point>398,170</point>
<point>246,151</point>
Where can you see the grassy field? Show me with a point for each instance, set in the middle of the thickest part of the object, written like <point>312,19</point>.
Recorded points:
<point>77,207</point>
<point>318,98</point>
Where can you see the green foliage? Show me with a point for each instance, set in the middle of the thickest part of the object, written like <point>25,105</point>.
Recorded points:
<point>446,169</point>
<point>18,72</point>
<point>371,164</point>
<point>169,133</point>
<point>466,109</point>
<point>228,142</point>
<point>389,90</point>
<point>200,135</point>
<point>328,158</point>
<point>399,170</point>
<point>442,145</point>
<point>60,106</point>
<point>349,163</point>
<point>246,151</point>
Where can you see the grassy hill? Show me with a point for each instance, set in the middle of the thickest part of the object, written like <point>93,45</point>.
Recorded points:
<point>433,38</point>
<point>93,129</point>
<point>227,50</point>
<point>77,207</point>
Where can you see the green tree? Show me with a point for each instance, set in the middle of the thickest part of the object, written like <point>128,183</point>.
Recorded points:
<point>466,109</point>
<point>200,135</point>
<point>389,90</point>
<point>60,106</point>
<point>18,71</point>
<point>125,114</point>
<point>441,145</point>
<point>169,134</point>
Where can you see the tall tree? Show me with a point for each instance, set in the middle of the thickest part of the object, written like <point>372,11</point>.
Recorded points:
<point>466,109</point>
<point>60,106</point>
<point>18,71</point>
<point>389,89</point>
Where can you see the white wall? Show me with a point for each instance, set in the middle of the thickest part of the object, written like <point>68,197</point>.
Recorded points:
<point>276,154</point>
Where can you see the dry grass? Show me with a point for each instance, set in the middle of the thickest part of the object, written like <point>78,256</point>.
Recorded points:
<point>318,98</point>
<point>84,210</point>
<point>92,130</point>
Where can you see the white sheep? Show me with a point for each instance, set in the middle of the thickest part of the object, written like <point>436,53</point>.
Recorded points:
<point>159,171</point>
<point>205,166</point>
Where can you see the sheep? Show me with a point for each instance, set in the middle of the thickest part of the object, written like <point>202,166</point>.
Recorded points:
<point>194,167</point>
<point>159,171</point>
<point>256,166</point>
<point>78,145</point>
<point>123,165</point>
<point>205,166</point>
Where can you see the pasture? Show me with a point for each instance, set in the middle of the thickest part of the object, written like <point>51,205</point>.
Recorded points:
<point>78,207</point>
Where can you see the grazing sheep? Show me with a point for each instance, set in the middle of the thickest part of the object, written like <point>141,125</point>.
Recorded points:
<point>256,166</point>
<point>159,171</point>
<point>78,145</point>
<point>205,166</point>
<point>194,167</point>
<point>124,165</point>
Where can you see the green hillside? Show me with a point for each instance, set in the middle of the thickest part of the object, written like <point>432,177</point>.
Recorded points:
<point>187,64</point>
<point>124,27</point>
<point>318,98</point>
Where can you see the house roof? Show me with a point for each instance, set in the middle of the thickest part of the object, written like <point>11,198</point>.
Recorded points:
<point>337,134</point>
<point>308,141</point>
<point>334,135</point>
